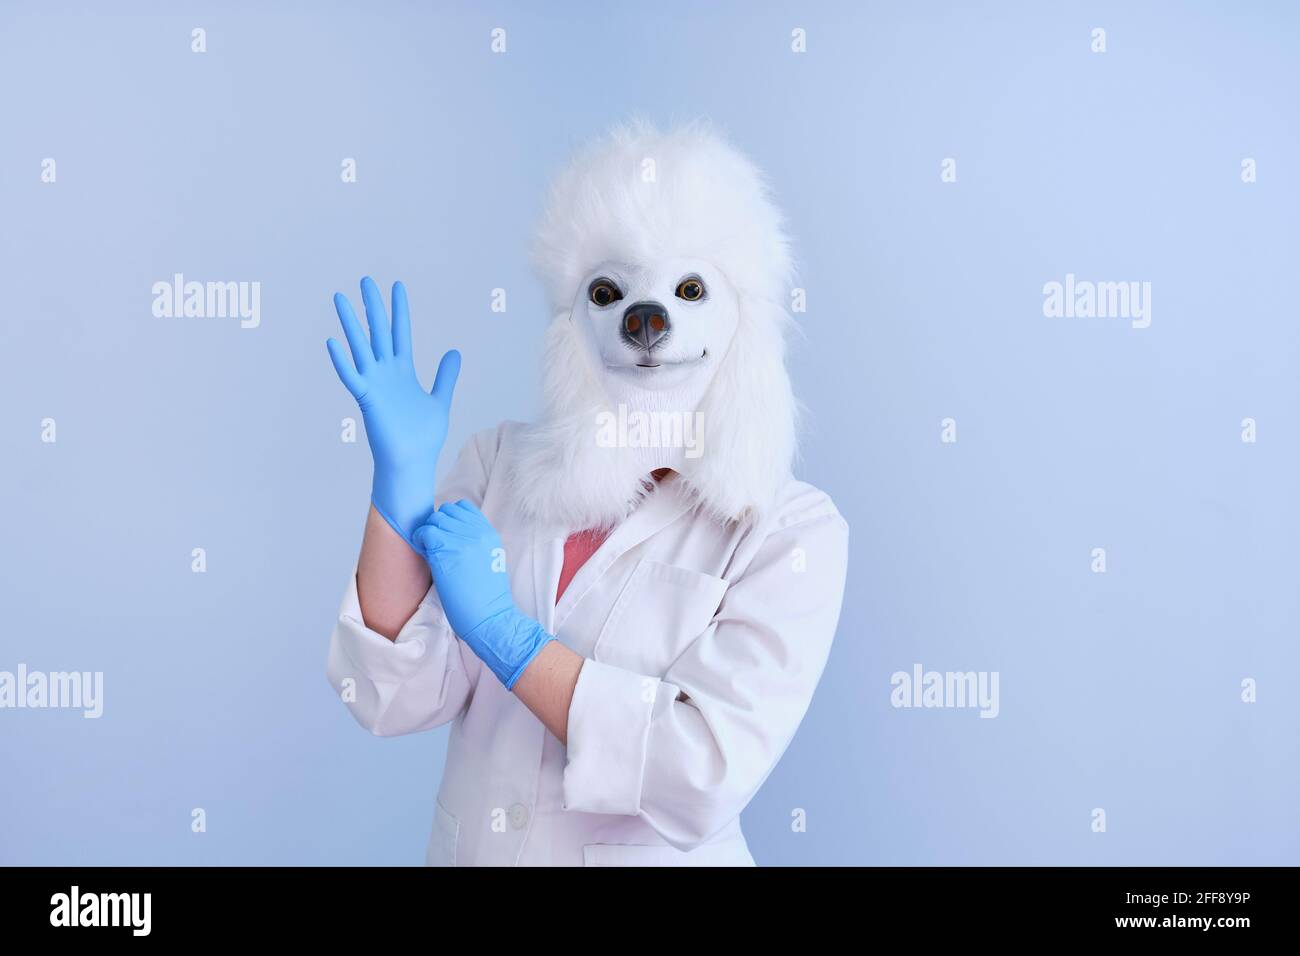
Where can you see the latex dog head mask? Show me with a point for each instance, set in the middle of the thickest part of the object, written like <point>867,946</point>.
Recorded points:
<point>667,269</point>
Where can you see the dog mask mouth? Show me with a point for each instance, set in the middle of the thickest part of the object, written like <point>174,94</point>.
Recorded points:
<point>650,363</point>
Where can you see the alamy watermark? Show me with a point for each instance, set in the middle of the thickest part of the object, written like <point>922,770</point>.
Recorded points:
<point>64,690</point>
<point>1084,299</point>
<point>655,429</point>
<point>129,910</point>
<point>208,300</point>
<point>945,689</point>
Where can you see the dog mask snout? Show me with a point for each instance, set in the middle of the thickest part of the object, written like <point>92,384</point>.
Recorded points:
<point>645,325</point>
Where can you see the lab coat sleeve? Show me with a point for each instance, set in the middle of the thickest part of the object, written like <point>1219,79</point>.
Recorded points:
<point>425,677</point>
<point>686,752</point>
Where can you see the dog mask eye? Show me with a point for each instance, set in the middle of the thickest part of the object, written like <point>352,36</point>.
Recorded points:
<point>692,290</point>
<point>603,293</point>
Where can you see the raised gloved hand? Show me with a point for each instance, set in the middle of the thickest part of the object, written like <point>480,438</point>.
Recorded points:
<point>469,570</point>
<point>405,425</point>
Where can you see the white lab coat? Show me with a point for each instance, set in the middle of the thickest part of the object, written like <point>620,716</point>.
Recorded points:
<point>704,642</point>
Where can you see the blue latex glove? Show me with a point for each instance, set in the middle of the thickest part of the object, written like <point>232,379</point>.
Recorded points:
<point>469,569</point>
<point>405,425</point>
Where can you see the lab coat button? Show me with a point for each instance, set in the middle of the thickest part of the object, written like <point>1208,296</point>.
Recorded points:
<point>518,816</point>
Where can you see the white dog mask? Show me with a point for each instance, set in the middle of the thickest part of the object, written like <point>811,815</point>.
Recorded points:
<point>667,269</point>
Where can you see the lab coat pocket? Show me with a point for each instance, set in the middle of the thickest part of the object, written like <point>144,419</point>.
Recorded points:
<point>446,833</point>
<point>661,609</point>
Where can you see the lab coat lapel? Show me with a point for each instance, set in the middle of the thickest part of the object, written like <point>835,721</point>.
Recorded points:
<point>547,553</point>
<point>664,505</point>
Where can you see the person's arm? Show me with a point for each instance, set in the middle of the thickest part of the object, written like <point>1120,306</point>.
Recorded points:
<point>546,687</point>
<point>416,675</point>
<point>405,428</point>
<point>391,578</point>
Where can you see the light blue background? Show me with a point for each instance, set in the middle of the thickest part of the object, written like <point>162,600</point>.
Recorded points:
<point>1119,691</point>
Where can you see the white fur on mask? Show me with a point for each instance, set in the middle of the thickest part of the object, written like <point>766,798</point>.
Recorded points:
<point>706,201</point>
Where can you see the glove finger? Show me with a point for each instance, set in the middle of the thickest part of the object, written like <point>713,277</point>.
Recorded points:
<point>471,508</point>
<point>348,375</point>
<point>381,334</point>
<point>362,354</point>
<point>429,539</point>
<point>444,383</point>
<point>470,516</point>
<point>451,522</point>
<point>401,321</point>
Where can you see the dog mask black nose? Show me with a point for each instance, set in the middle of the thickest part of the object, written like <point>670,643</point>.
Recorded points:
<point>645,325</point>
